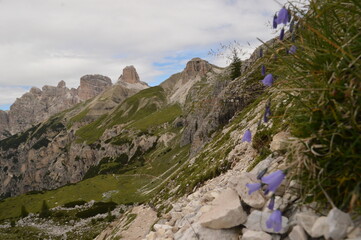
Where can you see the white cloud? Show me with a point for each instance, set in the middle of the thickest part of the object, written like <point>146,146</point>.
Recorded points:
<point>43,42</point>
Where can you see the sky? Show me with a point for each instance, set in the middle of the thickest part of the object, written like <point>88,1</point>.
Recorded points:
<point>45,41</point>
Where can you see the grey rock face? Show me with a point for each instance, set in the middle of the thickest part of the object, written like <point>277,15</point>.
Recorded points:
<point>129,75</point>
<point>196,66</point>
<point>92,85</point>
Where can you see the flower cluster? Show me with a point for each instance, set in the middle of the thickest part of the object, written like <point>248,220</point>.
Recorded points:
<point>272,181</point>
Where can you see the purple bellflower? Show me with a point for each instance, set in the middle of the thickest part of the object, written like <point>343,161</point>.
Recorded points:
<point>275,221</point>
<point>267,112</point>
<point>292,50</point>
<point>253,187</point>
<point>268,80</point>
<point>274,23</point>
<point>247,136</point>
<point>263,70</point>
<point>274,180</point>
<point>271,204</point>
<point>282,34</point>
<point>261,52</point>
<point>283,16</point>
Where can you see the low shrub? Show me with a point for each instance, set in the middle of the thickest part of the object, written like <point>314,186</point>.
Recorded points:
<point>97,208</point>
<point>74,203</point>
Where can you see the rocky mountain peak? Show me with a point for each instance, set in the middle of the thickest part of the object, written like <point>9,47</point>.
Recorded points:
<point>197,67</point>
<point>129,75</point>
<point>61,84</point>
<point>130,79</point>
<point>92,85</point>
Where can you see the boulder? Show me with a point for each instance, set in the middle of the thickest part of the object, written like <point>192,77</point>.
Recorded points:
<point>338,222</point>
<point>297,233</point>
<point>256,199</point>
<point>226,212</point>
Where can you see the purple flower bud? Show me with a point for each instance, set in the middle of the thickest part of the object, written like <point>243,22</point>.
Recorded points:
<point>271,204</point>
<point>247,136</point>
<point>292,50</point>
<point>263,70</point>
<point>274,21</point>
<point>268,80</point>
<point>253,187</point>
<point>282,34</point>
<point>261,52</point>
<point>274,180</point>
<point>261,173</point>
<point>275,221</point>
<point>283,16</point>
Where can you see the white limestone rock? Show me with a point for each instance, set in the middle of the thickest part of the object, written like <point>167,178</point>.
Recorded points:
<point>306,220</point>
<point>197,232</point>
<point>226,212</point>
<point>338,222</point>
<point>257,221</point>
<point>280,141</point>
<point>319,228</point>
<point>256,199</point>
<point>256,235</point>
<point>354,233</point>
<point>297,233</point>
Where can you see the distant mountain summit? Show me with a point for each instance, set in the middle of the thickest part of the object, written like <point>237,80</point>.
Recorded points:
<point>130,79</point>
<point>178,85</point>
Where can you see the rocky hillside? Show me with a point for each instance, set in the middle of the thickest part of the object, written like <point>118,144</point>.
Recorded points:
<point>203,156</point>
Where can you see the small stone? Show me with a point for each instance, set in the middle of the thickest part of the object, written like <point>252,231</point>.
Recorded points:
<point>338,223</point>
<point>280,141</point>
<point>354,233</point>
<point>256,235</point>
<point>158,227</point>
<point>226,211</point>
<point>257,221</point>
<point>297,233</point>
<point>151,236</point>
<point>306,220</point>
<point>177,207</point>
<point>319,228</point>
<point>175,229</point>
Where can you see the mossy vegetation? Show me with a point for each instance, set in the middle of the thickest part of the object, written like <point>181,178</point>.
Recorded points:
<point>164,115</point>
<point>77,118</point>
<point>91,132</point>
